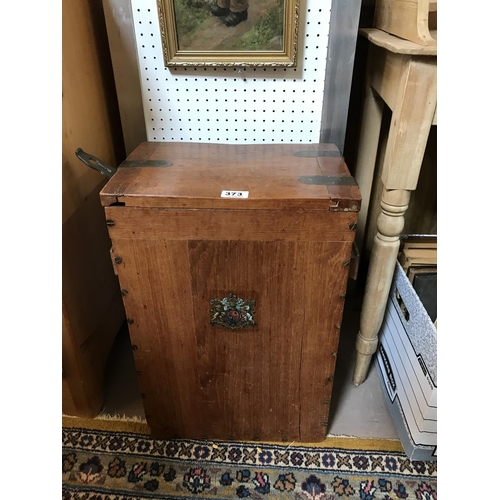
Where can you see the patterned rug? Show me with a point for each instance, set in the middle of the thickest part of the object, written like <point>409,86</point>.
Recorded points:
<point>110,460</point>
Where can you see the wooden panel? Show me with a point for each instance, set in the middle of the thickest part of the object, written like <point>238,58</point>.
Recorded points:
<point>158,223</point>
<point>114,189</point>
<point>90,117</point>
<point>410,125</point>
<point>387,72</point>
<point>325,281</point>
<point>88,281</point>
<point>81,395</point>
<point>408,19</point>
<point>74,399</point>
<point>68,405</point>
<point>200,172</point>
<point>123,48</point>
<point>159,301</point>
<point>249,378</point>
<point>396,44</point>
<point>92,305</point>
<point>84,364</point>
<point>268,382</point>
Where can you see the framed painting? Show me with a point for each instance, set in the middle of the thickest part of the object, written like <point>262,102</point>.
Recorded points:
<point>229,32</point>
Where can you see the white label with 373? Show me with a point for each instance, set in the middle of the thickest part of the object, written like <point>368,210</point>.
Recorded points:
<point>234,194</point>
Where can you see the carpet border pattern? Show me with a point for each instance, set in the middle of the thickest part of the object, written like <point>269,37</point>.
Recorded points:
<point>292,456</point>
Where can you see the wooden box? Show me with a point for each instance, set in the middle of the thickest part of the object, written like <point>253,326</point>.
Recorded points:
<point>233,262</point>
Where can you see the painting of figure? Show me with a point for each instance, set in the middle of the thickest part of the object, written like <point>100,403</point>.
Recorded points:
<point>229,25</point>
<point>229,32</point>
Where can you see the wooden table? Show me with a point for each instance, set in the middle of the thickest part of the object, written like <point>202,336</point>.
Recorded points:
<point>402,75</point>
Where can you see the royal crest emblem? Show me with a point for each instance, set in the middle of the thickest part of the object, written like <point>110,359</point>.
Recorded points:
<point>232,312</point>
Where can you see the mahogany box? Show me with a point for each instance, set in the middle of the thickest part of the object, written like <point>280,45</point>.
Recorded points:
<point>233,263</point>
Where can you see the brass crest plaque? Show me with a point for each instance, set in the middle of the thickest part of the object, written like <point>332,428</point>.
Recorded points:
<point>232,312</point>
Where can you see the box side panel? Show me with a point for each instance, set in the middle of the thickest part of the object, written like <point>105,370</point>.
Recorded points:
<point>414,452</point>
<point>420,437</point>
<point>243,370</point>
<point>271,381</point>
<point>418,407</point>
<point>325,279</point>
<point>261,382</point>
<point>415,371</point>
<point>418,325</point>
<point>230,225</point>
<point>155,280</point>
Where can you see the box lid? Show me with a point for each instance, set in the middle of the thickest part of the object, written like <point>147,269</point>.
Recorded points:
<point>278,177</point>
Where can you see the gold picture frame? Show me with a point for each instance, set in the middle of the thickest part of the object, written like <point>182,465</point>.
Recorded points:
<point>196,32</point>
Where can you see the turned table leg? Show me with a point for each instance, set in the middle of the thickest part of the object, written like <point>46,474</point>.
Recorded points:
<point>413,91</point>
<point>383,259</point>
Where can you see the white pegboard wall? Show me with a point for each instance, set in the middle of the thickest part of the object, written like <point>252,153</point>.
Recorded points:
<point>234,105</point>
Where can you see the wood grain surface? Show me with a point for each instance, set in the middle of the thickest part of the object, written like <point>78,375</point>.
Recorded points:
<point>200,172</point>
<point>287,247</point>
<point>172,224</point>
<point>409,20</point>
<point>92,307</point>
<point>270,382</point>
<point>399,45</point>
<point>92,310</point>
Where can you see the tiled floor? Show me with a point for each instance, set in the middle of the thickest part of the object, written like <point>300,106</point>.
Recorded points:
<point>355,411</point>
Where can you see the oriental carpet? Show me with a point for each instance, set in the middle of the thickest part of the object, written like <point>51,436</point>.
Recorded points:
<point>117,460</point>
